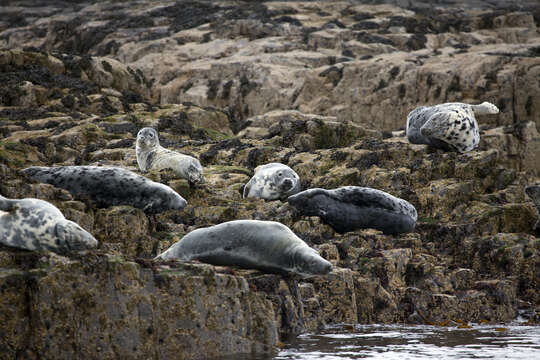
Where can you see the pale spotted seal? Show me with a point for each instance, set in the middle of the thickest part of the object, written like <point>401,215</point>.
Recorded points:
<point>34,224</point>
<point>272,181</point>
<point>107,186</point>
<point>351,207</point>
<point>151,156</point>
<point>449,126</point>
<point>265,245</point>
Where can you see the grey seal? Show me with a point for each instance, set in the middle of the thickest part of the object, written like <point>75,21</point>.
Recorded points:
<point>34,224</point>
<point>449,126</point>
<point>253,244</point>
<point>533,191</point>
<point>107,186</point>
<point>352,207</point>
<point>272,181</point>
<point>151,156</point>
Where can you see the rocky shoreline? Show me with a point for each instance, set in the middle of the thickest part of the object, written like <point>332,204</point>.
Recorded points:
<point>324,87</point>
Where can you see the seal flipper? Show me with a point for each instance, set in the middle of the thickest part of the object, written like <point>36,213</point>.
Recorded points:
<point>6,204</point>
<point>247,188</point>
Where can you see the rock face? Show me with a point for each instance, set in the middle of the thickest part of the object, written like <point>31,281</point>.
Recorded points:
<point>321,86</point>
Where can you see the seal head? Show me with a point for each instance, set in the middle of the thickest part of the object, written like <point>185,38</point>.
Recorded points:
<point>272,181</point>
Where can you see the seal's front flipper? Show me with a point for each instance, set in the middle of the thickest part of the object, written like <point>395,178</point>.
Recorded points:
<point>247,187</point>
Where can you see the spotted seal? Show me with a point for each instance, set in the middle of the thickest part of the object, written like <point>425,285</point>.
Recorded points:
<point>151,156</point>
<point>34,224</point>
<point>352,207</point>
<point>107,186</point>
<point>272,181</point>
<point>253,244</point>
<point>449,126</point>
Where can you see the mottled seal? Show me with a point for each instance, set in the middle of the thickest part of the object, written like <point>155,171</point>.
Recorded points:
<point>351,207</point>
<point>252,244</point>
<point>107,186</point>
<point>151,156</point>
<point>34,224</point>
<point>449,126</point>
<point>272,181</point>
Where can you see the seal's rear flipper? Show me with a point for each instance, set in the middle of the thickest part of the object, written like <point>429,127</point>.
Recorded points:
<point>6,204</point>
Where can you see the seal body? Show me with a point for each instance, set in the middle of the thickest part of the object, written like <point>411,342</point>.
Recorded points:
<point>107,186</point>
<point>351,207</point>
<point>252,244</point>
<point>272,181</point>
<point>449,126</point>
<point>34,224</point>
<point>151,156</point>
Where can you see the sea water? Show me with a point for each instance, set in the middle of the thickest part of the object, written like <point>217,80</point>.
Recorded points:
<point>416,342</point>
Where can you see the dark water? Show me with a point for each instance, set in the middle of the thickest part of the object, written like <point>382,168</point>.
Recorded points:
<point>416,342</point>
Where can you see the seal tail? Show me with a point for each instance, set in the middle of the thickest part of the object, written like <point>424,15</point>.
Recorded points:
<point>485,108</point>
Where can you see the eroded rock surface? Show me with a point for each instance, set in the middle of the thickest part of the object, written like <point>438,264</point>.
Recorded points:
<point>323,87</point>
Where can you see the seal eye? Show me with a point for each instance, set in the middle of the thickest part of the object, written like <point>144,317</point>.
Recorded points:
<point>150,135</point>
<point>280,174</point>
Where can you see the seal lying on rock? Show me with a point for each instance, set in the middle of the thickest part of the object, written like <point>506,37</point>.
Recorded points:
<point>450,126</point>
<point>151,156</point>
<point>272,181</point>
<point>533,191</point>
<point>351,207</point>
<point>107,186</point>
<point>34,224</point>
<point>251,244</point>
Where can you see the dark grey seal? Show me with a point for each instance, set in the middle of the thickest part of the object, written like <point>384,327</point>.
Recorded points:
<point>272,181</point>
<point>449,126</point>
<point>351,207</point>
<point>34,224</point>
<point>107,186</point>
<point>252,244</point>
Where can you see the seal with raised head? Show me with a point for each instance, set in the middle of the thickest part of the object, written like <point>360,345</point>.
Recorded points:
<point>108,186</point>
<point>151,156</point>
<point>34,224</point>
<point>272,181</point>
<point>252,244</point>
<point>449,126</point>
<point>352,207</point>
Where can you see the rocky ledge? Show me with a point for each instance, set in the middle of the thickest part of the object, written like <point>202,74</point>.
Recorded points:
<point>323,87</point>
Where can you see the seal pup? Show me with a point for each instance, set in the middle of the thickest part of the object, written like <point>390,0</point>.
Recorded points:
<point>108,186</point>
<point>34,224</point>
<point>449,126</point>
<point>252,244</point>
<point>151,156</point>
<point>352,207</point>
<point>272,181</point>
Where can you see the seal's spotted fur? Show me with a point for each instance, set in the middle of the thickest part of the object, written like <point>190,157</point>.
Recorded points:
<point>34,224</point>
<point>107,186</point>
<point>450,126</point>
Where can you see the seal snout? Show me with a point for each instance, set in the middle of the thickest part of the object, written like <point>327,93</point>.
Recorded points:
<point>287,184</point>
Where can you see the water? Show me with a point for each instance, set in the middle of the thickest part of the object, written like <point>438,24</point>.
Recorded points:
<point>416,342</point>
